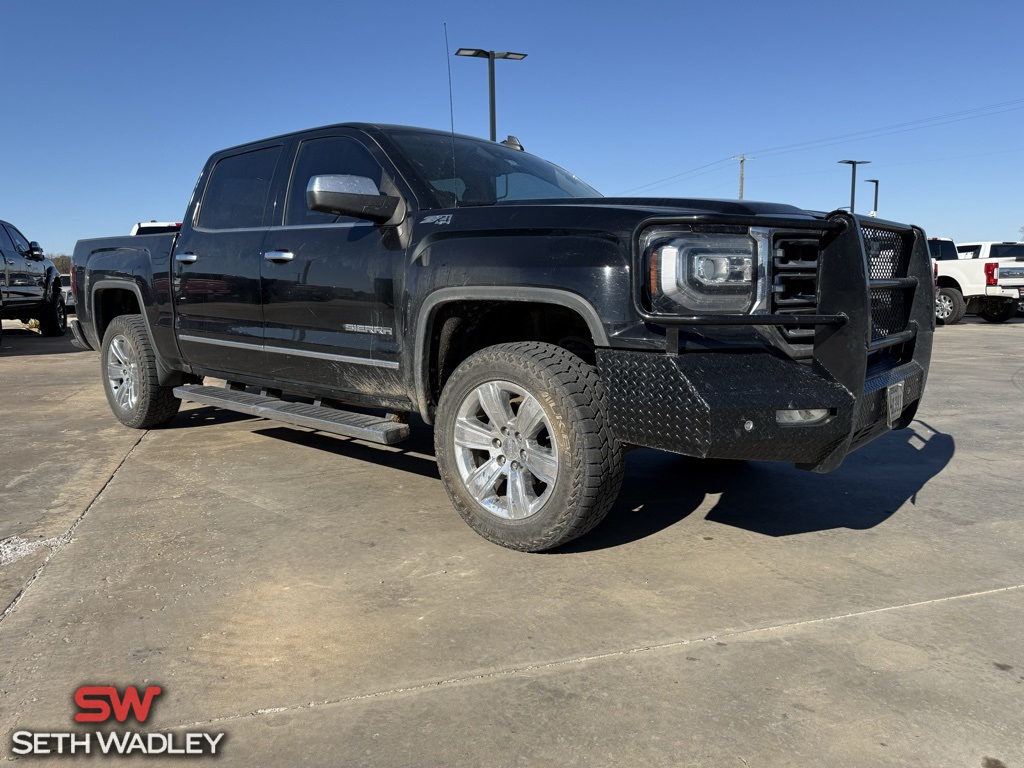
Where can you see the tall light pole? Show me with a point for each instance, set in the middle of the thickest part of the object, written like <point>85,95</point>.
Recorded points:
<point>853,179</point>
<point>875,182</point>
<point>490,56</point>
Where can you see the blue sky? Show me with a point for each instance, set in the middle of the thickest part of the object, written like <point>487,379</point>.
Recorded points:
<point>113,107</point>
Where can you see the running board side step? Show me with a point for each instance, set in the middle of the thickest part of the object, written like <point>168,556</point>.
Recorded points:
<point>358,425</point>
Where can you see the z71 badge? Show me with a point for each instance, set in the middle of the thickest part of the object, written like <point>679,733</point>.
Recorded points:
<point>443,218</point>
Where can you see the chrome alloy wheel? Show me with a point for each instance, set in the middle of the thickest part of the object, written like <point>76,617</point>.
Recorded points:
<point>123,372</point>
<point>943,306</point>
<point>505,450</point>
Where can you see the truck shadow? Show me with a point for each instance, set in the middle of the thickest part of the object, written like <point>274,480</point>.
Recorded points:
<point>415,455</point>
<point>769,498</point>
<point>19,341</point>
<point>662,489</point>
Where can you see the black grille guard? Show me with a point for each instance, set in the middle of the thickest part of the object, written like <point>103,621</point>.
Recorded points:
<point>873,325</point>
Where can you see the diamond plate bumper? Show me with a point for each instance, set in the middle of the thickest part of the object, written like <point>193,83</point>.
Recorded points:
<point>716,405</point>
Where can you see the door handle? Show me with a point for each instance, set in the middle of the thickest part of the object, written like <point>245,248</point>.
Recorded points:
<point>185,258</point>
<point>279,257</point>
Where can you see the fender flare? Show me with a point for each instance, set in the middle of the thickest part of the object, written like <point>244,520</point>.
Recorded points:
<point>435,300</point>
<point>164,371</point>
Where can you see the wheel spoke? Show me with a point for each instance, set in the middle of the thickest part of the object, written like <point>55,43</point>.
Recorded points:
<point>494,401</point>
<point>117,351</point>
<point>114,372</point>
<point>481,482</point>
<point>121,395</point>
<point>542,463</point>
<point>530,418</point>
<point>517,495</point>
<point>472,435</point>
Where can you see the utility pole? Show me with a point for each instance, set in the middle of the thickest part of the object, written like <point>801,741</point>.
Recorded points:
<point>742,159</point>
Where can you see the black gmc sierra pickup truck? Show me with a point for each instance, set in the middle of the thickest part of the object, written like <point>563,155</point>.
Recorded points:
<point>539,327</point>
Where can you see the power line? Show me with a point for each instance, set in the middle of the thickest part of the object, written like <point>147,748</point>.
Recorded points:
<point>911,125</point>
<point>924,122</point>
<point>678,176</point>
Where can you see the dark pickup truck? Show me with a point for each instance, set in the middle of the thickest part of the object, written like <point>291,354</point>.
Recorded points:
<point>30,287</point>
<point>342,278</point>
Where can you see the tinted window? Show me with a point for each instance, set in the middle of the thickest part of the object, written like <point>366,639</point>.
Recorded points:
<point>477,172</point>
<point>6,244</point>
<point>236,195</point>
<point>20,243</point>
<point>65,280</point>
<point>333,155</point>
<point>1008,250</point>
<point>942,249</point>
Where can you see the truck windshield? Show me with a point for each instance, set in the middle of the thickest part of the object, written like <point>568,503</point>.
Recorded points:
<point>485,173</point>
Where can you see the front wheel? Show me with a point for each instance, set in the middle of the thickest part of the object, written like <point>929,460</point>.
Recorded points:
<point>998,313</point>
<point>128,366</point>
<point>524,448</point>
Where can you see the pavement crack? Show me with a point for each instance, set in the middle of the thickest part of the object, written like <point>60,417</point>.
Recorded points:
<point>15,547</point>
<point>528,668</point>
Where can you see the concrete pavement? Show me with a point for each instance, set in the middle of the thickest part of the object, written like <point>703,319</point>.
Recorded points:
<point>318,599</point>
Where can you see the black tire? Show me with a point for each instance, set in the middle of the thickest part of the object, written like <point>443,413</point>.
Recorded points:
<point>998,313</point>
<point>949,306</point>
<point>557,468</point>
<point>128,369</point>
<point>53,319</point>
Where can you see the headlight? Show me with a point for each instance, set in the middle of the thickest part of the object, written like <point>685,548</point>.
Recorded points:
<point>700,273</point>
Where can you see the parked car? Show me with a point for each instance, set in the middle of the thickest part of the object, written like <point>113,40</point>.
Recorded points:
<point>538,326</point>
<point>1005,252</point>
<point>975,278</point>
<point>67,293</point>
<point>29,283</point>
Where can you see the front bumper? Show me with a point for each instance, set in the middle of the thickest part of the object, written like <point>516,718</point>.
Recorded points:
<point>724,405</point>
<point>872,319</point>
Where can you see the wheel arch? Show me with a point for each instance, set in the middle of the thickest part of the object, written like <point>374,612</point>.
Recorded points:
<point>430,355</point>
<point>113,298</point>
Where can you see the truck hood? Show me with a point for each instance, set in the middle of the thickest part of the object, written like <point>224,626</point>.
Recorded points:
<point>671,205</point>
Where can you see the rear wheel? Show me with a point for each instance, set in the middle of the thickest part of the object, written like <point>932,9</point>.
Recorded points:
<point>998,313</point>
<point>53,321</point>
<point>524,448</point>
<point>128,366</point>
<point>949,306</point>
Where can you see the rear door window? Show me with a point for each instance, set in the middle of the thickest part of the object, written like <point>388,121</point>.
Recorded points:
<point>236,195</point>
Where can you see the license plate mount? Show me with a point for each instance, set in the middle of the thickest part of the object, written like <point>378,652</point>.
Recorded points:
<point>894,403</point>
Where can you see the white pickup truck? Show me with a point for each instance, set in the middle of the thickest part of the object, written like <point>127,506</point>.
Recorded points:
<point>984,278</point>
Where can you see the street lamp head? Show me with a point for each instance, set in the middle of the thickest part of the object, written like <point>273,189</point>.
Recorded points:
<point>870,181</point>
<point>479,53</point>
<point>855,162</point>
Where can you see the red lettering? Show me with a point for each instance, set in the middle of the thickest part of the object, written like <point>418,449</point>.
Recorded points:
<point>92,700</point>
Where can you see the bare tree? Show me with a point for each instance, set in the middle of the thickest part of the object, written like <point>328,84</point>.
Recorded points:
<point>60,260</point>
